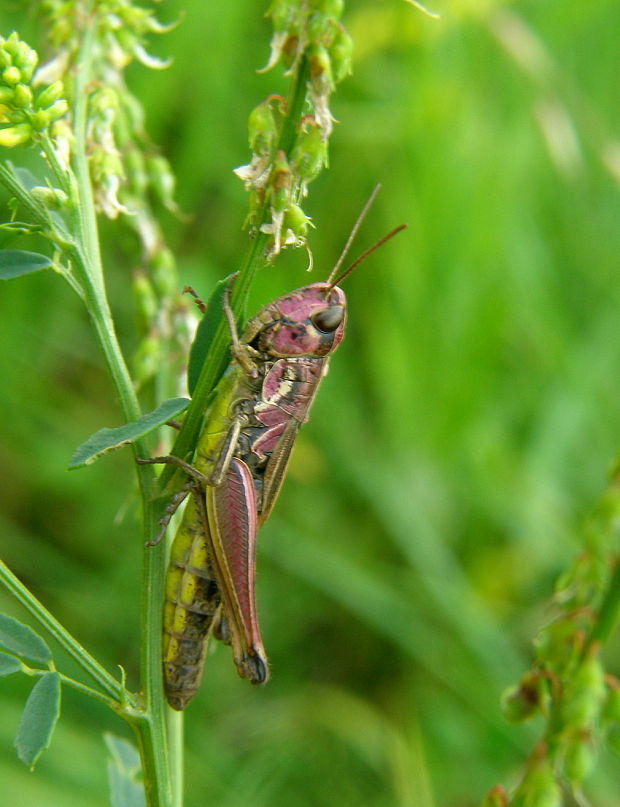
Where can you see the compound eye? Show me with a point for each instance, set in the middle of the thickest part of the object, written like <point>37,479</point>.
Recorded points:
<point>328,319</point>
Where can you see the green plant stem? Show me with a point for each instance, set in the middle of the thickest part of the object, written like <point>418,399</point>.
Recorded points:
<point>34,209</point>
<point>175,734</point>
<point>62,177</point>
<point>253,260</point>
<point>84,215</point>
<point>150,726</point>
<point>154,741</point>
<point>86,264</point>
<point>86,690</point>
<point>71,645</point>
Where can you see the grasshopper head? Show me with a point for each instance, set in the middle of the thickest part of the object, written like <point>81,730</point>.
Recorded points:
<point>307,322</point>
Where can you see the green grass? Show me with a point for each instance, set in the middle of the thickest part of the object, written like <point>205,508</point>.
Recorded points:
<point>463,432</point>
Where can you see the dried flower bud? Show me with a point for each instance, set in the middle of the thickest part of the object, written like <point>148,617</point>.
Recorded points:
<point>524,700</point>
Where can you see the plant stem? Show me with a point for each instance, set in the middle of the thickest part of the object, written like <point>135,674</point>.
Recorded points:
<point>35,209</point>
<point>62,177</point>
<point>175,748</point>
<point>253,260</point>
<point>152,730</point>
<point>86,690</point>
<point>150,726</point>
<point>71,645</point>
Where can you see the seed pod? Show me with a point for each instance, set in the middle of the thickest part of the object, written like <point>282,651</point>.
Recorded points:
<point>341,54</point>
<point>280,183</point>
<point>162,180</point>
<point>539,787</point>
<point>321,78</point>
<point>309,154</point>
<point>584,694</point>
<point>296,220</point>
<point>262,129</point>
<point>579,758</point>
<point>145,301</point>
<point>163,272</point>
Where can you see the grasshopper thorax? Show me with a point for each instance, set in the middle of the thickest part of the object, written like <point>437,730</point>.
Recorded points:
<point>306,322</point>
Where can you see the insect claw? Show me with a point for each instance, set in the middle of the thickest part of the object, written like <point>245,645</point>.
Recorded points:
<point>157,539</point>
<point>254,667</point>
<point>171,508</point>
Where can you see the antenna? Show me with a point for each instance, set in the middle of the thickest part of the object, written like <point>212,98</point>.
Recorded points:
<point>364,255</point>
<point>356,227</point>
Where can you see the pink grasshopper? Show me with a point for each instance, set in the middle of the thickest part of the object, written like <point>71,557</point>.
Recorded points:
<point>239,466</point>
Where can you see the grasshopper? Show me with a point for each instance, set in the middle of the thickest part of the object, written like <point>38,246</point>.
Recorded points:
<point>239,465</point>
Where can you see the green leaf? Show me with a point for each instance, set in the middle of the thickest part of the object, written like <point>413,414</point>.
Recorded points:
<point>124,771</point>
<point>204,336</point>
<point>8,665</point>
<point>16,262</point>
<point>21,640</point>
<point>106,440</point>
<point>38,719</point>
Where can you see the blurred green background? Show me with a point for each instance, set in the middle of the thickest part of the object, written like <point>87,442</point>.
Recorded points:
<point>463,432</point>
